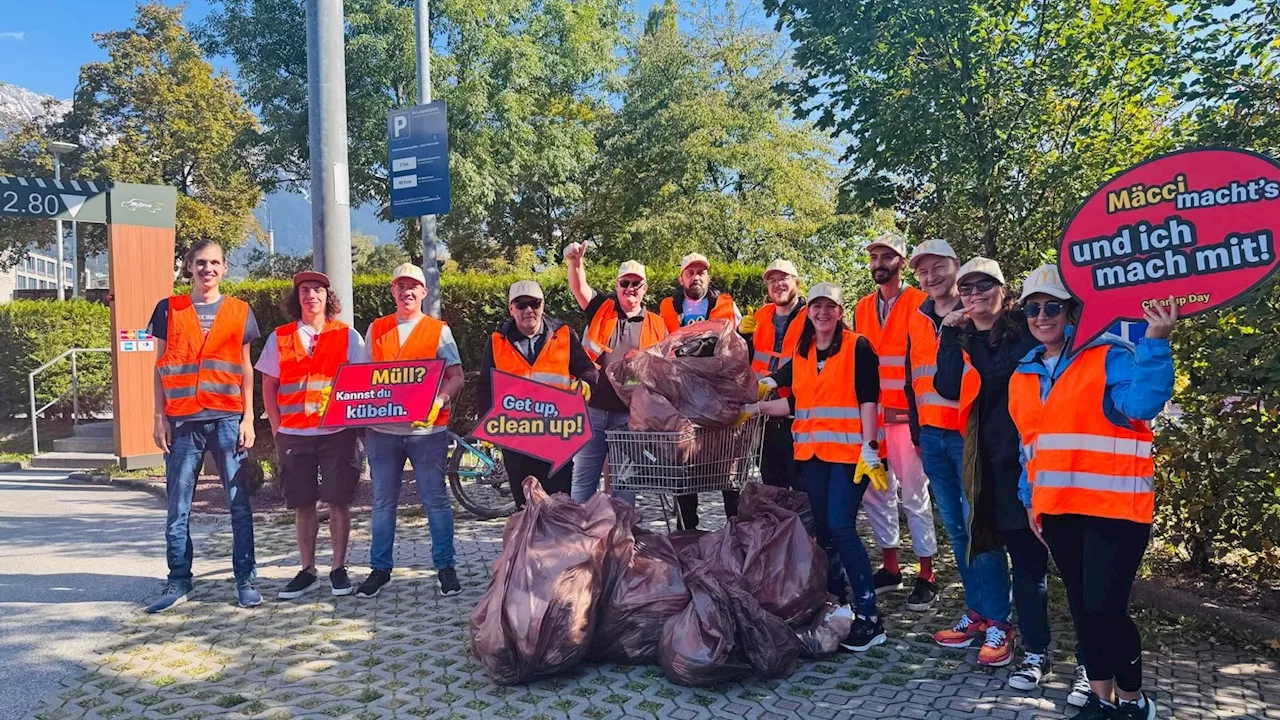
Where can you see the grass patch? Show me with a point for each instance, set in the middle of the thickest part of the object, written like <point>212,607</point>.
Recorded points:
<point>227,702</point>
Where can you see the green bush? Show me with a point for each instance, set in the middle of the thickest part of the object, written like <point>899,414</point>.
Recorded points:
<point>33,332</point>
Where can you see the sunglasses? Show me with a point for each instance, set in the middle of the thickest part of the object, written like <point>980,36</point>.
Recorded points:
<point>981,286</point>
<point>626,284</point>
<point>526,304</point>
<point>1051,309</point>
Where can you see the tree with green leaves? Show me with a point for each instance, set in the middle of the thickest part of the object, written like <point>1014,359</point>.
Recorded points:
<point>983,122</point>
<point>524,81</point>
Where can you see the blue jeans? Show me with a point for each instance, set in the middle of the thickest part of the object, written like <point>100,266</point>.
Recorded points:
<point>835,499</point>
<point>1030,560</point>
<point>387,454</point>
<point>187,446</point>
<point>986,579</point>
<point>589,462</point>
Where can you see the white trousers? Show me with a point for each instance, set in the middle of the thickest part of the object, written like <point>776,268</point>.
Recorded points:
<point>906,475</point>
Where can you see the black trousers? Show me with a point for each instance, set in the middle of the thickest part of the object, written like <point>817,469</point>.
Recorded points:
<point>521,466</point>
<point>1098,559</point>
<point>778,465</point>
<point>688,505</point>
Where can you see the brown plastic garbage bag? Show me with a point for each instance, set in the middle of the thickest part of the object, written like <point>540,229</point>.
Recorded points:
<point>703,370</point>
<point>685,543</point>
<point>830,627</point>
<point>649,591</point>
<point>759,499</point>
<point>699,646</point>
<point>770,647</point>
<point>539,612</point>
<point>770,543</point>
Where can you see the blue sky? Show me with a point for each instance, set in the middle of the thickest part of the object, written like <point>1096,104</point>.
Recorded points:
<point>43,43</point>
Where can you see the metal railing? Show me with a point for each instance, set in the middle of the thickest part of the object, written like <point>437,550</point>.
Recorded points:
<point>75,391</point>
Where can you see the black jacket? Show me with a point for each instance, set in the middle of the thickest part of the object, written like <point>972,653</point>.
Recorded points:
<point>991,464</point>
<point>580,366</point>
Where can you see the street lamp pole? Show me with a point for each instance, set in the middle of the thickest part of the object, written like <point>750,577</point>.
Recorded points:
<point>430,268</point>
<point>58,148</point>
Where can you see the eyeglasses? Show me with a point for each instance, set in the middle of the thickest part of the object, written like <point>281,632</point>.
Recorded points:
<point>1051,309</point>
<point>981,286</point>
<point>778,279</point>
<point>627,284</point>
<point>526,304</point>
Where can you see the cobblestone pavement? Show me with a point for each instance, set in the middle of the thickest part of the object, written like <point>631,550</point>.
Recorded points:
<point>404,655</point>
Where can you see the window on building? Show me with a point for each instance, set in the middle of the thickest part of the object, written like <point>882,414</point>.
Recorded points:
<point>22,282</point>
<point>31,263</point>
<point>41,267</point>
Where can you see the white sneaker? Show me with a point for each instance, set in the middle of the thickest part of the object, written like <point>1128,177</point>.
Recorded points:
<point>1029,674</point>
<point>1080,689</point>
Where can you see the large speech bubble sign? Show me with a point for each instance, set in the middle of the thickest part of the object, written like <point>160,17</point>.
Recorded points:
<point>382,393</point>
<point>534,419</point>
<point>1198,225</point>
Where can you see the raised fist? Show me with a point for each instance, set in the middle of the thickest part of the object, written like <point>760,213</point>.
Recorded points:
<point>574,251</point>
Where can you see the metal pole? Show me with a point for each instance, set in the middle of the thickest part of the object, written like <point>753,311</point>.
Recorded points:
<point>327,140</point>
<point>57,176</point>
<point>422,27</point>
<point>75,390</point>
<point>75,259</point>
<point>35,437</point>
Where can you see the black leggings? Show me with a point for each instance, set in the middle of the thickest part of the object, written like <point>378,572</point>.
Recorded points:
<point>1098,559</point>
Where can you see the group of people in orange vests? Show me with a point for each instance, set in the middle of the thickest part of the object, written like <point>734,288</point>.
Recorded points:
<point>953,394</point>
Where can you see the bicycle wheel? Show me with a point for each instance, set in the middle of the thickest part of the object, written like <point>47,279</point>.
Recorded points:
<point>479,480</point>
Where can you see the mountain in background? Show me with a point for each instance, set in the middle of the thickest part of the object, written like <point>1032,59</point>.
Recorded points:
<point>288,213</point>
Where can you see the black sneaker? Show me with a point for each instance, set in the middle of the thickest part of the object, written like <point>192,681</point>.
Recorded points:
<point>865,634</point>
<point>447,579</point>
<point>301,584</point>
<point>1034,668</point>
<point>922,595</point>
<point>1132,711</point>
<point>1095,709</point>
<point>887,581</point>
<point>373,584</point>
<point>340,582</point>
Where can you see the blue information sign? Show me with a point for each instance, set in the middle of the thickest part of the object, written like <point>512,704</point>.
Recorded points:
<point>1131,331</point>
<point>418,146</point>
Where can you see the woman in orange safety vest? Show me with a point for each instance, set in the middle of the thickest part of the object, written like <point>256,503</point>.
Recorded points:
<point>1083,418</point>
<point>834,378</point>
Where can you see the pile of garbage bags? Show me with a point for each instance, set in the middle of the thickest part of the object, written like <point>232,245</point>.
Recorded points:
<point>581,580</point>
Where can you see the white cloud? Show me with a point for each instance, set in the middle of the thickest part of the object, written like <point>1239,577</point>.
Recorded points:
<point>19,36</point>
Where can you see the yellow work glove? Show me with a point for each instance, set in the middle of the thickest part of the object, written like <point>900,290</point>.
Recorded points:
<point>324,399</point>
<point>748,324</point>
<point>765,387</point>
<point>870,466</point>
<point>581,388</point>
<point>749,411</point>
<point>436,407</point>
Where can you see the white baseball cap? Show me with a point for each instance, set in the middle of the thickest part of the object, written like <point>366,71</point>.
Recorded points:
<point>893,241</point>
<point>631,267</point>
<point>981,266</point>
<point>831,291</point>
<point>783,266</point>
<point>940,248</point>
<point>524,288</point>
<point>411,271</point>
<point>694,259</point>
<point>1045,279</point>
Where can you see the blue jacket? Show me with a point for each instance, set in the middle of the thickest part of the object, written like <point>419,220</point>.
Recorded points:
<point>1139,383</point>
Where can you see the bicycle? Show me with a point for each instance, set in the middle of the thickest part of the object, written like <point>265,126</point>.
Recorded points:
<point>478,478</point>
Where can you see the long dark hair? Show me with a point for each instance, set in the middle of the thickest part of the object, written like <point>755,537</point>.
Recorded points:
<point>293,306</point>
<point>196,247</point>
<point>1010,324</point>
<point>809,334</point>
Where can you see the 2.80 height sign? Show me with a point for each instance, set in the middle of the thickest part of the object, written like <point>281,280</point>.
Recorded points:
<point>1199,226</point>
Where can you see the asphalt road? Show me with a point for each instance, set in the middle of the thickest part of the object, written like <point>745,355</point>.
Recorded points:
<point>74,559</point>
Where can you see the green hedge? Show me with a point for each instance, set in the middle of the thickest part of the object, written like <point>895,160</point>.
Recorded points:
<point>33,332</point>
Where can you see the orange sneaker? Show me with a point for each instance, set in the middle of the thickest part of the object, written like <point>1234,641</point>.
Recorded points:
<point>997,650</point>
<point>970,628</point>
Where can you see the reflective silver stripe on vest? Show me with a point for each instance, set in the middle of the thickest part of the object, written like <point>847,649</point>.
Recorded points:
<point>550,378</point>
<point>311,408</point>
<point>220,388</point>
<point>762,356</point>
<point>291,409</point>
<point>182,392</point>
<point>892,384</point>
<point>593,346</point>
<point>893,361</point>
<point>827,436</point>
<point>1094,443</point>
<point>297,387</point>
<point>923,371</point>
<point>936,400</point>
<point>222,366</point>
<point>830,413</point>
<point>1093,481</point>
<point>184,369</point>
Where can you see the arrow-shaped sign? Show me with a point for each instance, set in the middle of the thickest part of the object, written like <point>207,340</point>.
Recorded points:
<point>382,393</point>
<point>534,419</point>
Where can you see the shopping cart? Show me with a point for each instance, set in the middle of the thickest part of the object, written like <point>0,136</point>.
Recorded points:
<point>699,460</point>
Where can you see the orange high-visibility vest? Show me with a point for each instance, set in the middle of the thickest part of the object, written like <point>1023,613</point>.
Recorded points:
<point>933,410</point>
<point>600,330</point>
<point>1079,462</point>
<point>890,342</point>
<point>550,367</point>
<point>722,310</point>
<point>764,337</point>
<point>828,423</point>
<point>421,344</point>
<point>198,371</point>
<point>304,377</point>
<point>970,384</point>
